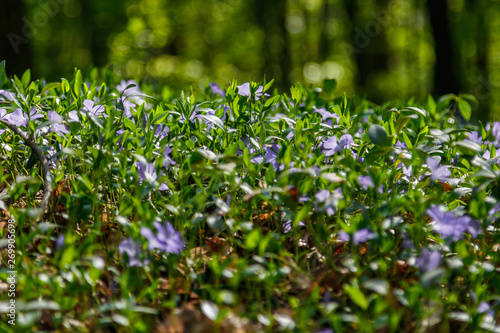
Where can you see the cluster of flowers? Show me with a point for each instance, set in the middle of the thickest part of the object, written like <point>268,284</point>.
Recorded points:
<point>167,240</point>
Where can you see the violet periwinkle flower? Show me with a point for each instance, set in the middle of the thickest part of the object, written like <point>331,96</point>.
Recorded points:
<point>167,239</point>
<point>343,236</point>
<point>60,242</point>
<point>473,136</point>
<point>148,172</point>
<point>400,144</point>
<point>327,116</point>
<point>4,94</point>
<point>330,146</point>
<point>57,127</point>
<point>362,236</point>
<point>323,196</point>
<point>73,117</point>
<point>19,118</point>
<point>271,155</point>
<point>161,131</point>
<point>428,261</point>
<point>366,182</point>
<point>122,88</point>
<point>167,160</point>
<point>287,226</point>
<point>244,90</point>
<point>495,129</point>
<point>124,104</point>
<point>345,142</point>
<point>441,173</point>
<point>90,107</point>
<point>133,250</point>
<point>216,89</point>
<point>450,226</point>
<point>3,112</point>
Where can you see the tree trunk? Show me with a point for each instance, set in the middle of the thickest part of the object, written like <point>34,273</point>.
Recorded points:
<point>446,79</point>
<point>271,18</point>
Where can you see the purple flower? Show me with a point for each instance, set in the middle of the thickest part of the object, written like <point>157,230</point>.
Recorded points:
<point>148,172</point>
<point>365,182</point>
<point>428,261</point>
<point>122,88</point>
<point>362,235</point>
<point>327,116</point>
<point>450,226</point>
<point>17,117</point>
<point>441,173</point>
<point>57,127</point>
<point>7,95</point>
<point>216,89</point>
<point>88,106</point>
<point>60,242</point>
<point>125,105</point>
<point>400,144</point>
<point>330,146</point>
<point>324,196</point>
<point>271,155</point>
<point>167,160</point>
<point>343,236</point>
<point>345,142</point>
<point>167,240</point>
<point>244,90</point>
<point>287,226</point>
<point>474,137</point>
<point>73,117</point>
<point>483,307</point>
<point>133,250</point>
<point>161,131</point>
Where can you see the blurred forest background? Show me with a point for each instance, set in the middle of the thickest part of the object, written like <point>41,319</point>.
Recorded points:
<point>379,49</point>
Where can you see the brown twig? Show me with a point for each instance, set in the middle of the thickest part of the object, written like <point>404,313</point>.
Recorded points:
<point>48,178</point>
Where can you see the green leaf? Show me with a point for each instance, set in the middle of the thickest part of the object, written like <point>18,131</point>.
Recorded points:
<point>378,135</point>
<point>357,296</point>
<point>377,285</point>
<point>329,85</point>
<point>253,239</point>
<point>268,85</point>
<point>469,145</point>
<point>3,75</point>
<point>50,86</point>
<point>129,124</point>
<point>271,101</point>
<point>78,83</point>
<point>414,110</point>
<point>401,122</point>
<point>26,78</point>
<point>465,109</point>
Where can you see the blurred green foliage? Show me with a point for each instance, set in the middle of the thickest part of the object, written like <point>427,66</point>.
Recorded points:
<point>381,49</point>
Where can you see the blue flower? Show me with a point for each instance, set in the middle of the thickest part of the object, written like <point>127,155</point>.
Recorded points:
<point>441,173</point>
<point>148,172</point>
<point>428,261</point>
<point>244,90</point>
<point>90,107</point>
<point>133,250</point>
<point>216,89</point>
<point>362,236</point>
<point>122,88</point>
<point>167,239</point>
<point>450,226</point>
<point>57,127</point>
<point>327,116</point>
<point>330,146</point>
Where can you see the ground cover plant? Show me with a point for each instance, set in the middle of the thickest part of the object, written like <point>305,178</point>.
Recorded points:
<point>241,209</point>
